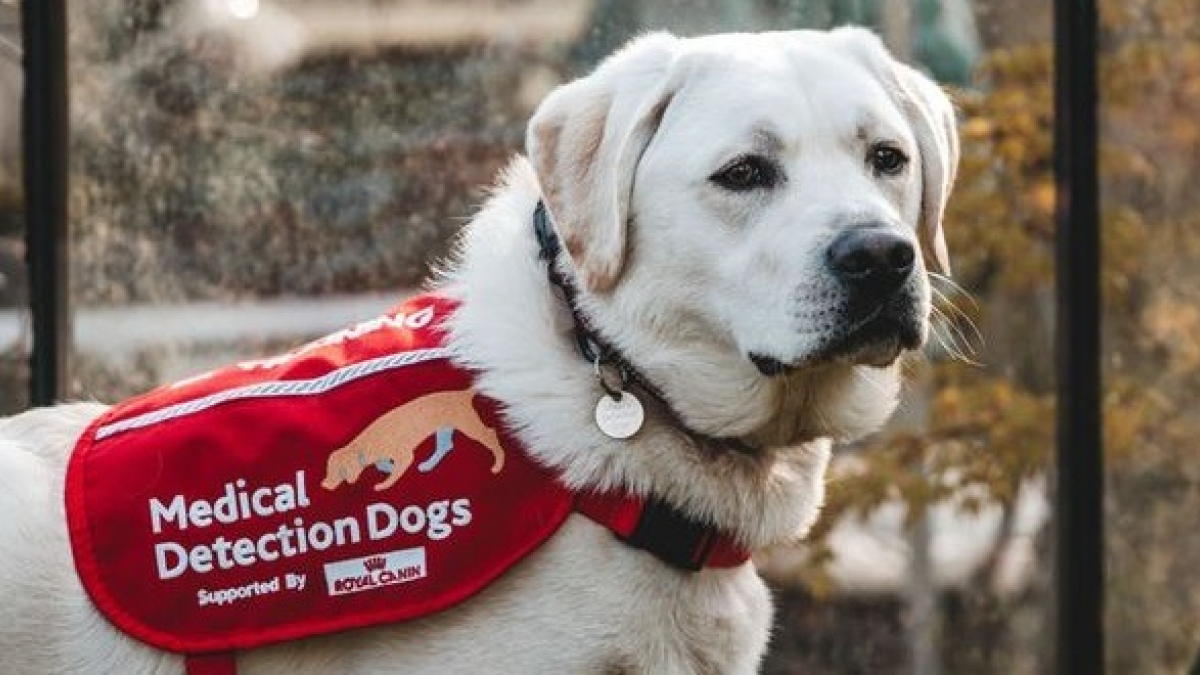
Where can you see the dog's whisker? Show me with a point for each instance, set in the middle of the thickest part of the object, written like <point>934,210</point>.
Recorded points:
<point>948,303</point>
<point>950,348</point>
<point>947,300</point>
<point>959,335</point>
<point>967,343</point>
<point>944,331</point>
<point>948,328</point>
<point>954,286</point>
<point>964,352</point>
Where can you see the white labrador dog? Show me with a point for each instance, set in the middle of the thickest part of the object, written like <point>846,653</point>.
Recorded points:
<point>747,222</point>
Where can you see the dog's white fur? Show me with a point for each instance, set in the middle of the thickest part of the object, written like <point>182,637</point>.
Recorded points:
<point>686,279</point>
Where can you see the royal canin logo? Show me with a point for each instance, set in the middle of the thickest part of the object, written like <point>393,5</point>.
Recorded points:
<point>375,571</point>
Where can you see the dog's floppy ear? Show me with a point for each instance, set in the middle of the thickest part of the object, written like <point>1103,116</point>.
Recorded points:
<point>931,115</point>
<point>585,141</point>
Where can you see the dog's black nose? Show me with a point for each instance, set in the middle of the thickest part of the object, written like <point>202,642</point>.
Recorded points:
<point>871,260</point>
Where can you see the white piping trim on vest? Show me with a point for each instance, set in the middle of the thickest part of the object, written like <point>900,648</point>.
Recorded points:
<point>317,385</point>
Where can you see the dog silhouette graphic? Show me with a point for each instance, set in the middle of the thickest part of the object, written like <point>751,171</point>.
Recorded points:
<point>389,442</point>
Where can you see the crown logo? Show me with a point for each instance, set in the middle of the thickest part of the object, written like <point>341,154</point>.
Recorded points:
<point>375,564</point>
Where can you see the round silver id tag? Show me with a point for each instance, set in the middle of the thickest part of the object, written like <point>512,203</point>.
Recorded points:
<point>621,417</point>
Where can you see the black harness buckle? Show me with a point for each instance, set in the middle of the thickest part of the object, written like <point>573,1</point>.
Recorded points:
<point>672,537</point>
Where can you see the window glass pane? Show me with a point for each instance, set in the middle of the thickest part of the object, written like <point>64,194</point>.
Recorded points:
<point>1150,157</point>
<point>250,174</point>
<point>14,294</point>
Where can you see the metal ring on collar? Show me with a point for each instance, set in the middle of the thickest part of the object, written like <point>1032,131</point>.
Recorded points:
<point>615,393</point>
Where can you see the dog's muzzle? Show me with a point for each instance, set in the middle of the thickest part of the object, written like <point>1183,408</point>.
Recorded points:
<point>879,317</point>
<point>878,312</point>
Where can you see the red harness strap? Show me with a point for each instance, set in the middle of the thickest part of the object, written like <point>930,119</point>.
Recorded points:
<point>659,529</point>
<point>214,663</point>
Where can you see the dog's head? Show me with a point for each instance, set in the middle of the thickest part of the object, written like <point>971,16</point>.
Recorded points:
<point>752,218</point>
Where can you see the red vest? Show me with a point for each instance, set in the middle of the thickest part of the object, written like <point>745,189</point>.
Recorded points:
<point>356,480</point>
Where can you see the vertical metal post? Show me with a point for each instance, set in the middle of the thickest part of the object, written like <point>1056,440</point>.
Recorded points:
<point>1080,462</point>
<point>44,133</point>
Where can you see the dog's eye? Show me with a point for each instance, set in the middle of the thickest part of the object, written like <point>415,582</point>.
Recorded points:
<point>886,159</point>
<point>747,173</point>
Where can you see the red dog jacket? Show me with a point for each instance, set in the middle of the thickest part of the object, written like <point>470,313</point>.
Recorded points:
<point>356,480</point>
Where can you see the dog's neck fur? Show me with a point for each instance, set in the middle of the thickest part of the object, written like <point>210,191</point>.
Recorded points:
<point>598,351</point>
<point>514,330</point>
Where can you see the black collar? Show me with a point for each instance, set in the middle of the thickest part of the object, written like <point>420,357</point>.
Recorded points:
<point>598,351</point>
<point>659,528</point>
